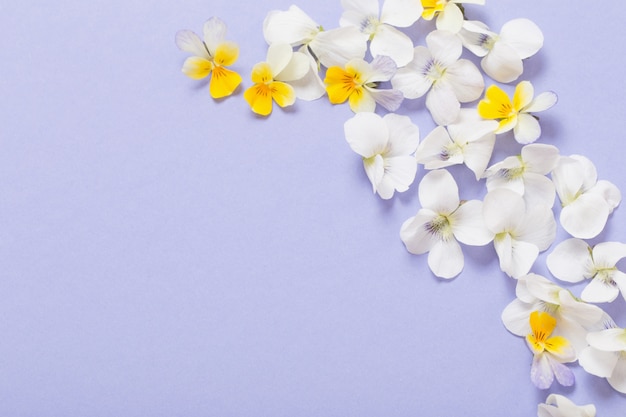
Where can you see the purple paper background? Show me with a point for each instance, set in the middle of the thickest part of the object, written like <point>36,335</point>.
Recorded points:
<point>164,254</point>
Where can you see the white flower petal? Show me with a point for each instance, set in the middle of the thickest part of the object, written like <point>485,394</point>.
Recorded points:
<point>586,217</point>
<point>360,8</point>
<point>523,36</point>
<point>367,134</point>
<point>389,99</point>
<point>590,174</point>
<point>214,31</point>
<point>608,254</point>
<point>292,26</point>
<point>432,151</point>
<point>382,68</point>
<point>611,194</point>
<point>515,317</point>
<point>502,63</point>
<point>297,67</point>
<point>310,86</point>
<point>542,288</point>
<point>609,340</point>
<point>563,374</point>
<point>538,227</point>
<point>568,177</point>
<point>401,13</point>
<point>540,158</point>
<point>450,19</point>
<point>541,372</point>
<point>278,57</point>
<point>411,79</point>
<point>442,103</point>
<point>439,192</point>
<point>335,47</point>
<point>503,210</point>
<point>375,170</point>
<point>570,261</point>
<point>415,235</point>
<point>188,41</point>
<point>445,47</point>
<point>468,224</point>
<point>404,136</point>
<point>390,42</point>
<point>542,102</point>
<point>466,80</point>
<point>527,129</point>
<point>618,378</point>
<point>597,362</point>
<point>475,36</point>
<point>538,190</point>
<point>599,291</point>
<point>399,175</point>
<point>445,259</point>
<point>478,153</point>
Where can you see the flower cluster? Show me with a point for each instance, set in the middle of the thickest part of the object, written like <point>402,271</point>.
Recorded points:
<point>372,65</point>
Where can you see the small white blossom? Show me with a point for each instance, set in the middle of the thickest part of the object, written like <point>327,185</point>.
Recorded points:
<point>606,356</point>
<point>559,406</point>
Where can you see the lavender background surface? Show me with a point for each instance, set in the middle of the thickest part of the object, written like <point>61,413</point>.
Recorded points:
<point>164,254</point>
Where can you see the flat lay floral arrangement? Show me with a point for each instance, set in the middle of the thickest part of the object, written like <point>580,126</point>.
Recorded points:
<point>373,67</point>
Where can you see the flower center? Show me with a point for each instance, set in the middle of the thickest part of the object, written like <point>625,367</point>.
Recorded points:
<point>434,71</point>
<point>440,226</point>
<point>369,25</point>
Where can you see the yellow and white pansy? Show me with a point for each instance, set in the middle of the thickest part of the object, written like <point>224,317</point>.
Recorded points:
<point>586,202</point>
<point>379,25</point>
<point>573,260</point>
<point>211,56</point>
<point>271,78</point>
<point>549,353</point>
<point>437,71</point>
<point>357,83</point>
<point>386,145</point>
<point>502,53</point>
<point>448,13</point>
<point>516,114</point>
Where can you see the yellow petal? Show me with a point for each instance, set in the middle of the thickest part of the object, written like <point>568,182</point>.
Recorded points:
<point>339,85</point>
<point>262,73</point>
<point>361,101</point>
<point>282,93</point>
<point>523,95</point>
<point>196,67</point>
<point>259,97</point>
<point>495,105</point>
<point>542,325</point>
<point>432,7</point>
<point>507,124</point>
<point>223,82</point>
<point>557,345</point>
<point>226,53</point>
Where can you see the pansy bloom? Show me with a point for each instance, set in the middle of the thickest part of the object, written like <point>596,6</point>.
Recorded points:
<point>211,56</point>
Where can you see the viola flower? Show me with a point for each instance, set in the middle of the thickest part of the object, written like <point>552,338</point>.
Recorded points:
<point>549,352</point>
<point>332,47</point>
<point>521,231</point>
<point>270,78</point>
<point>575,318</point>
<point>586,202</point>
<point>526,174</point>
<point>448,12</point>
<point>466,141</point>
<point>516,115</point>
<point>384,38</point>
<point>438,71</point>
<point>573,260</point>
<point>503,54</point>
<point>386,145</point>
<point>357,83</point>
<point>606,356</point>
<point>211,56</point>
<point>559,406</point>
<point>442,220</point>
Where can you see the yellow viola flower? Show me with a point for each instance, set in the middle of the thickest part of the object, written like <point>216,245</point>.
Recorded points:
<point>271,78</point>
<point>516,114</point>
<point>549,352</point>
<point>357,82</point>
<point>211,56</point>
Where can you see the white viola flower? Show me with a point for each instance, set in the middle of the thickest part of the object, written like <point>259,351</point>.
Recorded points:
<point>526,174</point>
<point>573,260</point>
<point>586,202</point>
<point>438,71</point>
<point>330,47</point>
<point>521,231</point>
<point>384,38</point>
<point>606,356</point>
<point>442,220</point>
<point>549,353</point>
<point>448,12</point>
<point>516,114</point>
<point>536,293</point>
<point>466,141</point>
<point>357,83</point>
<point>559,406</point>
<point>503,53</point>
<point>386,145</point>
